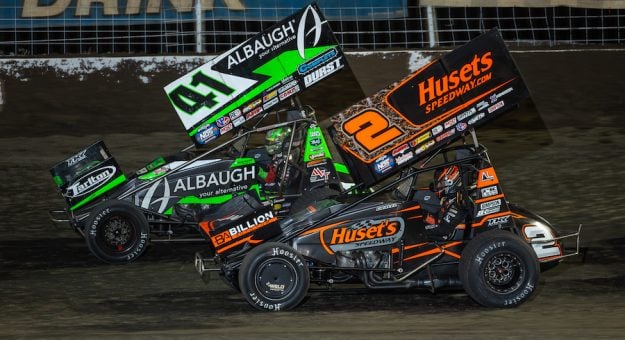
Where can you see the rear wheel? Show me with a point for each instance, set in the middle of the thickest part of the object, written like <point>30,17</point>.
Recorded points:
<point>274,277</point>
<point>498,269</point>
<point>117,232</point>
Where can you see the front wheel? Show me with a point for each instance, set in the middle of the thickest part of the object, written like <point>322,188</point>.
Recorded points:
<point>498,269</point>
<point>117,232</point>
<point>274,277</point>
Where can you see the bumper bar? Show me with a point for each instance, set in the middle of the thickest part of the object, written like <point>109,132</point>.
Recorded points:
<point>204,265</point>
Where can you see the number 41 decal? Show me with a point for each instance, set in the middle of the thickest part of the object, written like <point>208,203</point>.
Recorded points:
<point>189,101</point>
<point>371,129</point>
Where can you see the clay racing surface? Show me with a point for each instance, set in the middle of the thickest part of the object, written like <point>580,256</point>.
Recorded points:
<point>53,287</point>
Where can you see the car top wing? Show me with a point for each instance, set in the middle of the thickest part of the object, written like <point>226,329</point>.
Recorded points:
<point>428,109</point>
<point>256,75</point>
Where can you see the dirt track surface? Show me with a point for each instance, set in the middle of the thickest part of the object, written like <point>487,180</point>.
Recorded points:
<point>52,287</point>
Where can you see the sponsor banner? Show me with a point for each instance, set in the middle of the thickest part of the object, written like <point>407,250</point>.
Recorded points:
<point>364,234</point>
<point>231,236</point>
<point>443,101</point>
<point>50,13</point>
<point>258,74</point>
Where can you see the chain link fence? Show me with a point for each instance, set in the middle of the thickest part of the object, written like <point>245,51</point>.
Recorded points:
<point>55,27</point>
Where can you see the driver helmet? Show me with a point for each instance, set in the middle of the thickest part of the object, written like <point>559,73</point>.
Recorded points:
<point>275,138</point>
<point>449,180</point>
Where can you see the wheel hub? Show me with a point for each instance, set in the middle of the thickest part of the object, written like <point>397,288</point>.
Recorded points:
<point>503,272</point>
<point>117,233</point>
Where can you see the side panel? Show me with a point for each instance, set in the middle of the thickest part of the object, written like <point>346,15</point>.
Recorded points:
<point>240,227</point>
<point>379,225</point>
<point>204,182</point>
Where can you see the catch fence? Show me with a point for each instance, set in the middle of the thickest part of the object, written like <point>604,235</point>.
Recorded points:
<point>53,27</point>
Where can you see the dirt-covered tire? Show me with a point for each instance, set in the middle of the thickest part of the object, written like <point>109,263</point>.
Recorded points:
<point>498,269</point>
<point>117,232</point>
<point>312,197</point>
<point>274,277</point>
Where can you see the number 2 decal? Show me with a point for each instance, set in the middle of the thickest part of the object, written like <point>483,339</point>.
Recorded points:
<point>371,129</point>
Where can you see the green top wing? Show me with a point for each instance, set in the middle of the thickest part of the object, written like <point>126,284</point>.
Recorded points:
<point>267,69</point>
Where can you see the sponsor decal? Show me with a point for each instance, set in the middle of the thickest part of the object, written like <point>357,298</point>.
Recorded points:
<point>466,114</point>
<point>314,132</point>
<point>322,72</point>
<point>270,103</point>
<point>269,96</point>
<point>206,134</point>
<point>486,177</point>
<point>420,139</point>
<point>490,204</point>
<point>482,105</point>
<point>222,178</point>
<point>253,113</point>
<point>384,164</point>
<point>253,224</point>
<point>476,118</point>
<point>252,105</point>
<point>320,60</point>
<point>223,121</point>
<point>287,86</point>
<point>489,191</point>
<point>316,163</point>
<point>225,129</point>
<point>303,31</point>
<point>488,211</point>
<point>449,123</point>
<point>363,234</point>
<point>289,92</point>
<point>461,126</point>
<point>403,158</point>
<point>493,98</point>
<point>496,107</point>
<point>316,141</point>
<point>317,155</point>
<point>238,121</point>
<point>446,134</point>
<point>387,206</point>
<point>77,158</point>
<point>319,174</point>
<point>504,92</point>
<point>90,181</point>
<point>436,130</point>
<point>498,220</point>
<point>424,147</point>
<point>262,45</point>
<point>435,93</point>
<point>235,114</point>
<point>403,148</point>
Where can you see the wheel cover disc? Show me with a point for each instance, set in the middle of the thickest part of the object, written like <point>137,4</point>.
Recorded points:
<point>117,234</point>
<point>504,272</point>
<point>275,279</point>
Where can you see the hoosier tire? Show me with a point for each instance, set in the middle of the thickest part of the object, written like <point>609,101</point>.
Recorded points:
<point>274,277</point>
<point>498,269</point>
<point>117,232</point>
